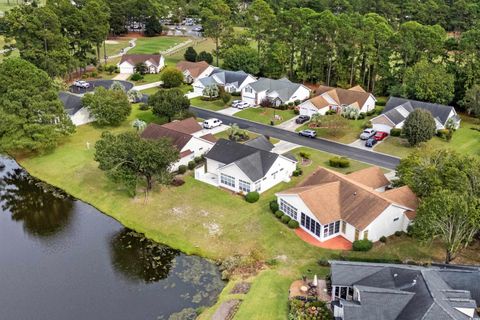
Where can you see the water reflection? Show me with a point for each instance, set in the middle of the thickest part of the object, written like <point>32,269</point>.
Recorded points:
<point>44,210</point>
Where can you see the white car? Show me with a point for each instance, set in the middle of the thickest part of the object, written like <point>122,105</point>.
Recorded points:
<point>212,123</point>
<point>367,134</point>
<point>243,105</point>
<point>81,84</point>
<point>236,102</point>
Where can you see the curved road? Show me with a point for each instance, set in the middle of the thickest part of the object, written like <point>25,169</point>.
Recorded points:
<point>371,157</point>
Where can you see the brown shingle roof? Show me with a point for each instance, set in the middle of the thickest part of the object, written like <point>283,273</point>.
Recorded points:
<point>135,59</point>
<point>403,196</point>
<point>342,96</point>
<point>194,68</point>
<point>332,196</point>
<point>209,137</point>
<point>188,126</point>
<point>155,131</point>
<point>372,177</point>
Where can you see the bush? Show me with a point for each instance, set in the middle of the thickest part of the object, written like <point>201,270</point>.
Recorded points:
<point>330,112</point>
<point>304,155</point>
<point>293,224</point>
<point>398,233</point>
<point>226,97</point>
<point>93,74</point>
<point>285,219</point>
<point>236,94</point>
<point>279,214</point>
<point>367,125</point>
<point>171,77</point>
<point>442,133</point>
<point>136,77</point>
<point>297,102</point>
<point>298,172</point>
<point>396,132</point>
<point>182,169</point>
<point>273,206</point>
<point>252,197</point>
<point>361,115</point>
<point>339,162</point>
<point>383,239</point>
<point>296,111</point>
<point>362,245</point>
<point>144,107</point>
<point>198,160</point>
<point>191,165</point>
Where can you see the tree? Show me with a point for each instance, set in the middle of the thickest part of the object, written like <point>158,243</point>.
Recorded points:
<point>190,54</point>
<point>139,125</point>
<point>171,77</point>
<point>141,68</point>
<point>419,127</point>
<point>32,117</point>
<point>241,58</point>
<point>153,26</point>
<point>453,217</point>
<point>205,56</point>
<point>471,101</point>
<point>260,19</point>
<point>430,82</point>
<point>96,16</point>
<point>169,103</point>
<point>134,96</point>
<point>128,159</point>
<point>211,91</point>
<point>117,85</point>
<point>108,107</point>
<point>216,21</point>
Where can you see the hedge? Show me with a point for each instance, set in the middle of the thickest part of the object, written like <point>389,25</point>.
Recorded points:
<point>362,245</point>
<point>339,162</point>
<point>279,214</point>
<point>191,165</point>
<point>273,206</point>
<point>286,219</point>
<point>182,169</point>
<point>252,197</point>
<point>396,132</point>
<point>293,224</point>
<point>383,239</point>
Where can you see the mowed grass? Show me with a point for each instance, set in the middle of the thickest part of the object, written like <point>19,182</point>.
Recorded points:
<point>347,135</point>
<point>115,46</point>
<point>265,115</point>
<point>214,105</point>
<point>155,45</point>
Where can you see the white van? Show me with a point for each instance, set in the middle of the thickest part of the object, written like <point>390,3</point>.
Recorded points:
<point>211,123</point>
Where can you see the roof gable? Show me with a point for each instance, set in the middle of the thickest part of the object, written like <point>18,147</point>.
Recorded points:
<point>194,68</point>
<point>154,131</point>
<point>188,126</point>
<point>135,59</point>
<point>438,111</point>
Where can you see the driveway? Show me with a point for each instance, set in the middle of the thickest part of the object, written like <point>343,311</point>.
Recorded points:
<point>215,130</point>
<point>229,111</point>
<point>360,144</point>
<point>122,76</point>
<point>283,147</point>
<point>289,125</point>
<point>100,83</point>
<point>372,157</point>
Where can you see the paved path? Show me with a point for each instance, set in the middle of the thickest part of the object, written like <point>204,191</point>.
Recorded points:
<point>374,158</point>
<point>148,86</point>
<point>133,43</point>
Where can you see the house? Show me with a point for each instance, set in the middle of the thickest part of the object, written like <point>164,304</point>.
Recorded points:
<point>186,135</point>
<point>328,98</point>
<point>230,81</point>
<point>355,206</point>
<point>397,110</point>
<point>192,71</point>
<point>153,62</point>
<point>244,168</point>
<point>371,291</point>
<point>72,105</point>
<point>279,92</point>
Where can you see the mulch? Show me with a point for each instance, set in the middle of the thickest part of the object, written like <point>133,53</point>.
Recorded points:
<point>241,288</point>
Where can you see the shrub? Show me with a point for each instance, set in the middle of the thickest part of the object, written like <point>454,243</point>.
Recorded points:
<point>171,77</point>
<point>296,111</point>
<point>383,239</point>
<point>198,159</point>
<point>339,162</point>
<point>144,107</point>
<point>293,224</point>
<point>252,197</point>
<point>304,155</point>
<point>136,77</point>
<point>279,214</point>
<point>285,219</point>
<point>297,102</point>
<point>273,206</point>
<point>190,54</point>
<point>396,132</point>
<point>226,97</point>
<point>398,233</point>
<point>367,125</point>
<point>182,169</point>
<point>442,133</point>
<point>94,74</point>
<point>361,115</point>
<point>362,245</point>
<point>176,182</point>
<point>298,172</point>
<point>191,165</point>
<point>236,94</point>
<point>419,127</point>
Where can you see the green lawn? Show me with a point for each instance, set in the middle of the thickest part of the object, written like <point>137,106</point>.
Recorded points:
<point>349,134</point>
<point>465,140</point>
<point>184,87</point>
<point>265,115</point>
<point>251,135</point>
<point>155,45</point>
<point>214,105</point>
<point>147,78</point>
<point>114,46</point>
<point>207,45</point>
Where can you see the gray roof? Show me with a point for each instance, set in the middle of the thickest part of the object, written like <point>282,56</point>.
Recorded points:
<point>438,111</point>
<point>403,292</point>
<point>260,142</point>
<point>71,103</point>
<point>225,77</point>
<point>254,162</point>
<point>284,87</point>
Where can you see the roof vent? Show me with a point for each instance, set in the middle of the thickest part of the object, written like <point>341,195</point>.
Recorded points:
<point>355,193</point>
<point>414,282</point>
<point>395,275</point>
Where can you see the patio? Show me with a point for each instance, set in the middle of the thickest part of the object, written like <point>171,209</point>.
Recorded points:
<point>304,290</point>
<point>337,243</point>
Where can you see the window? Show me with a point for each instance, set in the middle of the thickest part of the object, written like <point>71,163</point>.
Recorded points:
<point>248,90</point>
<point>310,224</point>
<point>274,174</point>
<point>357,234</point>
<point>258,186</point>
<point>365,234</point>
<point>288,209</point>
<point>244,185</point>
<point>331,228</point>
<point>344,227</point>
<point>227,180</point>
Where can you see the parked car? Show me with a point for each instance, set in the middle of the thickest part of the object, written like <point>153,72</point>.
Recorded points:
<point>302,119</point>
<point>370,143</point>
<point>198,29</point>
<point>243,105</point>
<point>367,134</point>
<point>211,123</point>
<point>81,84</point>
<point>236,102</point>
<point>379,136</point>
<point>308,133</point>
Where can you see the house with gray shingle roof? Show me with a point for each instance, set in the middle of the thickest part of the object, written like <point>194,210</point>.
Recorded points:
<point>371,291</point>
<point>281,91</point>
<point>244,168</point>
<point>397,110</point>
<point>230,81</point>
<point>72,104</point>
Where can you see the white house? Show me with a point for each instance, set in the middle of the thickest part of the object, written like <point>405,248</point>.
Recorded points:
<point>279,92</point>
<point>185,135</point>
<point>231,81</point>
<point>397,110</point>
<point>72,105</point>
<point>244,168</point>
<point>354,206</point>
<point>328,98</point>
<point>154,62</point>
<point>192,71</point>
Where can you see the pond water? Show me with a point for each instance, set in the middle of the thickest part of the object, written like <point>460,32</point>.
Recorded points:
<point>62,259</point>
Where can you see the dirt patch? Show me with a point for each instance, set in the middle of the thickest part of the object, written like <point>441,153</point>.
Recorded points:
<point>306,162</point>
<point>213,228</point>
<point>241,288</point>
<point>227,310</point>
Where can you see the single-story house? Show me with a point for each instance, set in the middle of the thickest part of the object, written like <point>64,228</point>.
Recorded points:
<point>244,168</point>
<point>186,135</point>
<point>154,62</point>
<point>72,105</point>
<point>329,98</point>
<point>192,71</point>
<point>371,291</point>
<point>279,92</point>
<point>230,81</point>
<point>355,206</point>
<point>397,110</point>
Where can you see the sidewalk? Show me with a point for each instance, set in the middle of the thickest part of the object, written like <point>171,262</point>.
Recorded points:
<point>148,86</point>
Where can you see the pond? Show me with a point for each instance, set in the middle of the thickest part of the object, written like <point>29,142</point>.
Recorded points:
<point>61,258</point>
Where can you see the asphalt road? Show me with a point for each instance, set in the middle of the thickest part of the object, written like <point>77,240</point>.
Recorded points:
<point>374,158</point>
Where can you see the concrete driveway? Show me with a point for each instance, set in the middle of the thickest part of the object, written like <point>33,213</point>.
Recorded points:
<point>284,147</point>
<point>289,125</point>
<point>215,130</point>
<point>229,111</point>
<point>122,76</point>
<point>360,144</point>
